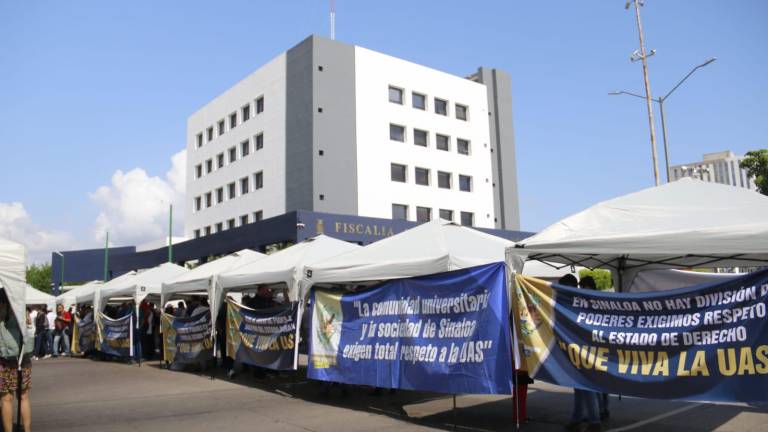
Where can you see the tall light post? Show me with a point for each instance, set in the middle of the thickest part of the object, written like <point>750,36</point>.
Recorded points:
<point>61,268</point>
<point>640,54</point>
<point>661,101</point>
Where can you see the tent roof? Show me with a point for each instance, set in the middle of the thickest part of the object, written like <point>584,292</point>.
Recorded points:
<point>199,278</point>
<point>35,296</point>
<point>149,281</point>
<point>79,291</point>
<point>286,265</point>
<point>13,276</point>
<point>86,293</point>
<point>686,223</point>
<point>429,248</point>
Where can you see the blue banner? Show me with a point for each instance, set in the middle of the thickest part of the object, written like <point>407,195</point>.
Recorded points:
<point>708,342</point>
<point>116,335</point>
<point>265,337</point>
<point>187,340</point>
<point>446,333</point>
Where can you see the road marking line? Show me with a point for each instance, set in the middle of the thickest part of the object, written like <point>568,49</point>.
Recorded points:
<point>653,419</point>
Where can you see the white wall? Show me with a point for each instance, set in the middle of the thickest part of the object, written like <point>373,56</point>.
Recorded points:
<point>376,192</point>
<point>269,81</point>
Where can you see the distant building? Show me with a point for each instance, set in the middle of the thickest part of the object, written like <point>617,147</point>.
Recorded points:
<point>332,127</point>
<point>721,167</point>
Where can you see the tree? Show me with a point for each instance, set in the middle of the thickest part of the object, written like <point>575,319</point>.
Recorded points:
<point>756,164</point>
<point>603,279</point>
<point>39,276</point>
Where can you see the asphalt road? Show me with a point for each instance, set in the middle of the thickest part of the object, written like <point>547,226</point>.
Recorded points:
<point>84,395</point>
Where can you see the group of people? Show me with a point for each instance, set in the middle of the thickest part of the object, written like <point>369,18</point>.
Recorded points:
<point>52,331</point>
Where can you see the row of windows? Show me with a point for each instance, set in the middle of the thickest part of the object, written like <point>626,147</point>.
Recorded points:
<point>423,177</point>
<point>219,227</point>
<point>419,101</point>
<point>424,214</point>
<point>421,138</point>
<point>232,120</point>
<point>245,150</point>
<point>216,196</point>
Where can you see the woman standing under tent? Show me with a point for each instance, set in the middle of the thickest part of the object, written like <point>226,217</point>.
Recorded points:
<point>12,336</point>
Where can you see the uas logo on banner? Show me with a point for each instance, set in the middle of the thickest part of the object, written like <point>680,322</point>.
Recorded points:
<point>83,334</point>
<point>116,335</point>
<point>187,340</point>
<point>264,338</point>
<point>409,333</point>
<point>707,342</point>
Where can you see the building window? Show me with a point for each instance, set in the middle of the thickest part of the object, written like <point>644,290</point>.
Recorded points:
<point>446,214</point>
<point>258,180</point>
<point>396,132</point>
<point>465,183</point>
<point>209,132</point>
<point>208,230</point>
<point>231,190</point>
<point>423,214</point>
<point>208,200</point>
<point>197,233</point>
<point>399,211</point>
<point>221,127</point>
<point>258,216</point>
<point>462,146</point>
<point>246,114</point>
<point>208,166</point>
<point>442,142</point>
<point>232,154</point>
<point>219,195</point>
<point>198,203</point>
<point>243,220</point>
<point>260,105</point>
<point>231,223</point>
<point>398,173</point>
<point>420,137</point>
<point>233,120</point>
<point>467,219</point>
<point>422,176</point>
<point>443,180</point>
<point>245,148</point>
<point>441,106</point>
<point>199,144</point>
<point>461,112</point>
<point>219,227</point>
<point>259,140</point>
<point>220,160</point>
<point>243,185</point>
<point>396,95</point>
<point>419,101</point>
<point>198,170</point>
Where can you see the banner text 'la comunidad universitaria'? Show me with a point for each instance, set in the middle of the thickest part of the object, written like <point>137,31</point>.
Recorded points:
<point>187,340</point>
<point>445,333</point>
<point>707,342</point>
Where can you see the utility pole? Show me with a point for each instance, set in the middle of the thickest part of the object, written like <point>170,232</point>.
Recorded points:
<point>643,57</point>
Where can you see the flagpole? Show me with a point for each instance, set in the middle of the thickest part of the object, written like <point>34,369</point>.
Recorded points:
<point>106,258</point>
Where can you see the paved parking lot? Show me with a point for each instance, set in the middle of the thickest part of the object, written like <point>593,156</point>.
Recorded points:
<point>85,395</point>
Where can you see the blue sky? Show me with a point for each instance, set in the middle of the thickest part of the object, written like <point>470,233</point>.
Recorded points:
<point>88,88</point>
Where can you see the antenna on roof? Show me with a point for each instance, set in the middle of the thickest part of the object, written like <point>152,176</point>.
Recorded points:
<point>333,20</point>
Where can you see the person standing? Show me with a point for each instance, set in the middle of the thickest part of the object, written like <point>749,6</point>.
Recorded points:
<point>50,317</point>
<point>12,337</point>
<point>41,324</point>
<point>61,335</point>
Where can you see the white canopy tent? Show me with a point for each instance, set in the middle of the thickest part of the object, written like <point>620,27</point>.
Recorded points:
<point>69,298</point>
<point>36,297</point>
<point>203,277</point>
<point>87,293</point>
<point>137,286</point>
<point>283,267</point>
<point>13,277</point>
<point>684,224</point>
<point>662,280</point>
<point>433,247</point>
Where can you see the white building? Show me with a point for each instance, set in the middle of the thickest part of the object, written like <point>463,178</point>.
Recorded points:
<point>721,167</point>
<point>332,127</point>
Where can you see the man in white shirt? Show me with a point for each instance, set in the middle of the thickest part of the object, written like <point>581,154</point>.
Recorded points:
<point>51,318</point>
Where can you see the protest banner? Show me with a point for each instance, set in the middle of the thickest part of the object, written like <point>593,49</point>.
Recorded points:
<point>115,336</point>
<point>83,334</point>
<point>265,338</point>
<point>187,340</point>
<point>445,333</point>
<point>707,342</point>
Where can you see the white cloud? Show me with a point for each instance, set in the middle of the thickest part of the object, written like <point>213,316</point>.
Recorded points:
<point>17,225</point>
<point>134,206</point>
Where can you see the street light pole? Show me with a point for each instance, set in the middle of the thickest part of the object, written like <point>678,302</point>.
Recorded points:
<point>61,280</point>
<point>170,233</point>
<point>644,59</point>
